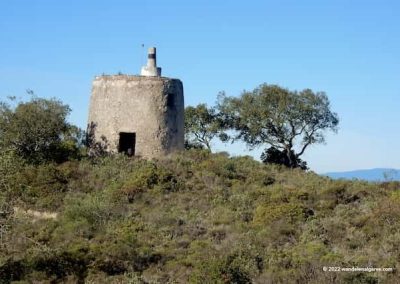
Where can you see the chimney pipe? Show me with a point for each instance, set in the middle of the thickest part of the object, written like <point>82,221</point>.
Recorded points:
<point>151,68</point>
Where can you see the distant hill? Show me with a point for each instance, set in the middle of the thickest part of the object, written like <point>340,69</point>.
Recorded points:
<point>378,174</point>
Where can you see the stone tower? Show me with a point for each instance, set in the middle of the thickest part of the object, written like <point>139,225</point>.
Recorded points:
<point>138,115</point>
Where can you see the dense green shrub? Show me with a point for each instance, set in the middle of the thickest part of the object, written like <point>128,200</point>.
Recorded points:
<point>38,132</point>
<point>95,209</point>
<point>195,217</point>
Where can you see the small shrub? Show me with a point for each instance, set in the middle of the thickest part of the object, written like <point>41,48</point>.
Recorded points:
<point>221,270</point>
<point>265,214</point>
<point>96,208</point>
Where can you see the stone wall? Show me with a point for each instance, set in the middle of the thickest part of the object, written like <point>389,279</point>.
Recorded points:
<point>151,107</point>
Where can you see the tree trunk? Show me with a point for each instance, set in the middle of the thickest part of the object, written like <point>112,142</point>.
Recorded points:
<point>291,162</point>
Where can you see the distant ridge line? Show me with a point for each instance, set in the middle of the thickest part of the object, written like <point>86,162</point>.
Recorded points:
<point>374,174</point>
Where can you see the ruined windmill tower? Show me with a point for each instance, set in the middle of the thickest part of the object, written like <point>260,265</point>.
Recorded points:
<point>138,115</point>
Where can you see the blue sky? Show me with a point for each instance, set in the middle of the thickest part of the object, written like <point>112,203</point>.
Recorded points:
<point>349,49</point>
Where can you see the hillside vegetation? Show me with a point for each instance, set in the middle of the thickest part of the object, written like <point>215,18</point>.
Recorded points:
<point>194,217</point>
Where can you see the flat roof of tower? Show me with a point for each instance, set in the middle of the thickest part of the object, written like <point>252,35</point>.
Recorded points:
<point>131,77</point>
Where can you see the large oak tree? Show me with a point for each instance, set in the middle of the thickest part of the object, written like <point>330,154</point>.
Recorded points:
<point>285,121</point>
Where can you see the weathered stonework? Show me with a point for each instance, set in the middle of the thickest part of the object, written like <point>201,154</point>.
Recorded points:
<point>150,107</point>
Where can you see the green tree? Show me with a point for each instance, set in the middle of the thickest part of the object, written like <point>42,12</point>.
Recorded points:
<point>202,124</point>
<point>288,121</point>
<point>37,130</point>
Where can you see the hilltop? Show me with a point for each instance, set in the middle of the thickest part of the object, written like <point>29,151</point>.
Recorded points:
<point>193,217</point>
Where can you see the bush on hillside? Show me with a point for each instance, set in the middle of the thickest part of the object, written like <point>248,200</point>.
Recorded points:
<point>38,131</point>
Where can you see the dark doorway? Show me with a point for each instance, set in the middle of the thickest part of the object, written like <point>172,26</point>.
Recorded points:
<point>171,101</point>
<point>127,143</point>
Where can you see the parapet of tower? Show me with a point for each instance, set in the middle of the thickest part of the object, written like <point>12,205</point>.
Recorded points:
<point>138,115</point>
<point>151,68</point>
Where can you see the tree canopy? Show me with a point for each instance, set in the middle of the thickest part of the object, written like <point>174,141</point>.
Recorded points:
<point>37,130</point>
<point>202,124</point>
<point>288,121</point>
